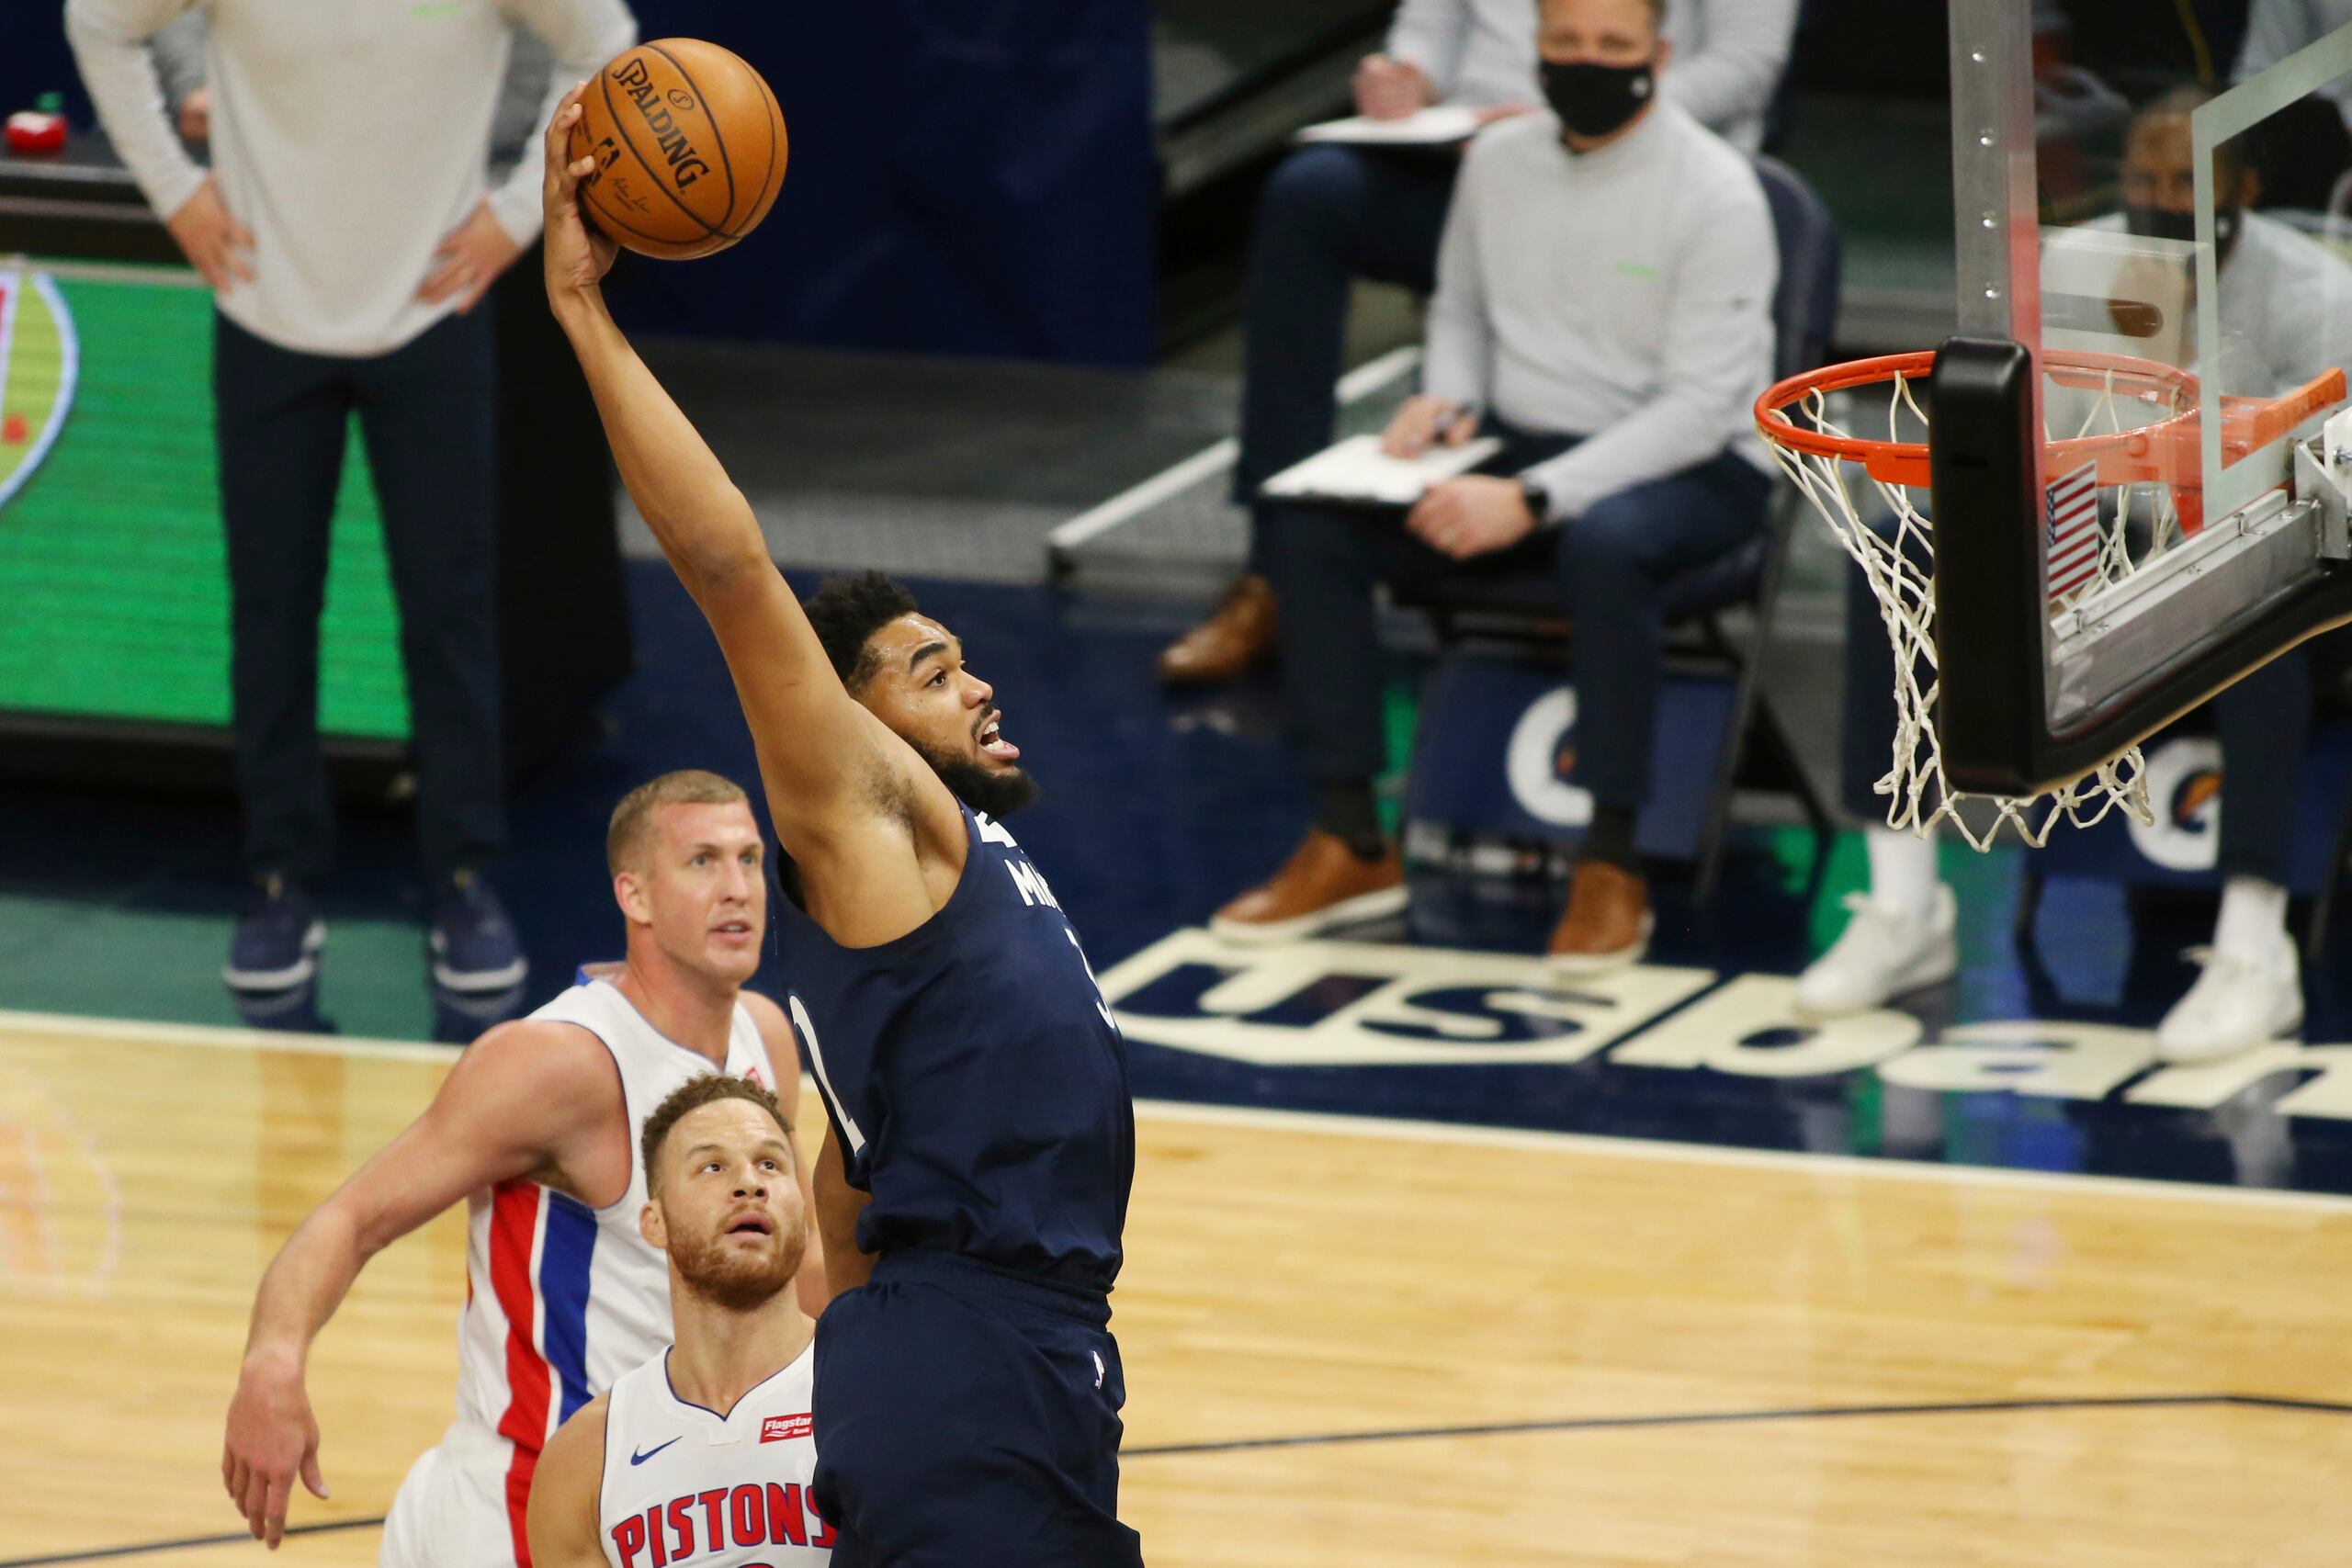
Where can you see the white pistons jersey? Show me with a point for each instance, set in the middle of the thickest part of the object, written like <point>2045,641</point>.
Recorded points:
<point>562,1299</point>
<point>686,1485</point>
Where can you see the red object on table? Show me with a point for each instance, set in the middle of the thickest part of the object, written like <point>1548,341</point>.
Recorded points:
<point>35,131</point>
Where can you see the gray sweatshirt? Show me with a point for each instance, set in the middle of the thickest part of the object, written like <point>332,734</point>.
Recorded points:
<point>1622,295</point>
<point>1728,55</point>
<point>348,138</point>
<point>2277,28</point>
<point>180,47</point>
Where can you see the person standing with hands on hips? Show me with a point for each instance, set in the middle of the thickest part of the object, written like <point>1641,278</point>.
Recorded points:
<point>349,234</point>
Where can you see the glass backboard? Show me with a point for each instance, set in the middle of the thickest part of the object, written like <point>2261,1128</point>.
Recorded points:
<point>2154,245</point>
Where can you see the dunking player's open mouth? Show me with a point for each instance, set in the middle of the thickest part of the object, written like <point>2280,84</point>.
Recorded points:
<point>752,1223</point>
<point>991,739</point>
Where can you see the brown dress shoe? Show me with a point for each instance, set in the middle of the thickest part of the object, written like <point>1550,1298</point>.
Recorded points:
<point>1224,647</point>
<point>1321,886</point>
<point>1608,924</point>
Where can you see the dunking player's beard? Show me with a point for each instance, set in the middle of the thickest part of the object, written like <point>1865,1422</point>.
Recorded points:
<point>998,793</point>
<point>734,1279</point>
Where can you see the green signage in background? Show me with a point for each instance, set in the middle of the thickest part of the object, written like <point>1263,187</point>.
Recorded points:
<point>114,594</point>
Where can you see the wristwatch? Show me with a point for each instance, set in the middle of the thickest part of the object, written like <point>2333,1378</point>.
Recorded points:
<point>1539,501</point>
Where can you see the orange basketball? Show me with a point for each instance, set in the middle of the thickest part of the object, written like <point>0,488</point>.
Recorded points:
<point>689,146</point>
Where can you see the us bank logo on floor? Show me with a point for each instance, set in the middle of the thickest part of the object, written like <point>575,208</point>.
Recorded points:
<point>1359,1004</point>
<point>39,358</point>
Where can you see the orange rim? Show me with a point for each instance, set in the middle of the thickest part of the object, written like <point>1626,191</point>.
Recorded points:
<point>2124,455</point>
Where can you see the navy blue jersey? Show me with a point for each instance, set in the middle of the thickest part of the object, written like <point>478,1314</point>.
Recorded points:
<point>974,1079</point>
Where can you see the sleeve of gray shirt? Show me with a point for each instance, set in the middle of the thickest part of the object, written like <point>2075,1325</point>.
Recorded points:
<point>1458,350</point>
<point>1718,335</point>
<point>179,49</point>
<point>583,34</point>
<point>515,124</point>
<point>2305,325</point>
<point>2277,28</point>
<point>109,40</point>
<point>1428,33</point>
<point>1733,78</point>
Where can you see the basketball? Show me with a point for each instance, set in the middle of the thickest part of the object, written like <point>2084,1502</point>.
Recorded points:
<point>689,146</point>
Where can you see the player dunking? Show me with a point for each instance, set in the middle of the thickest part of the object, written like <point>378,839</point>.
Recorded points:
<point>536,1129</point>
<point>982,1141</point>
<point>703,1453</point>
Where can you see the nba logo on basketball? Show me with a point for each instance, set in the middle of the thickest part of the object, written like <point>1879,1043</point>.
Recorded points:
<point>784,1429</point>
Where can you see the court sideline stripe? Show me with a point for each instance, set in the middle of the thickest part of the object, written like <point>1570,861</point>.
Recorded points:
<point>1668,1152</point>
<point>1336,1124</point>
<point>1738,1417</point>
<point>1413,1434</point>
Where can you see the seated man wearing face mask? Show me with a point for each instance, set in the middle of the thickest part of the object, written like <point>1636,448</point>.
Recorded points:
<point>1334,213</point>
<point>1604,292</point>
<point>2286,303</point>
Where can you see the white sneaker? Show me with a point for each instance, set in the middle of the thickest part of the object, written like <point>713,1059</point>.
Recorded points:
<point>1882,954</point>
<point>2237,1004</point>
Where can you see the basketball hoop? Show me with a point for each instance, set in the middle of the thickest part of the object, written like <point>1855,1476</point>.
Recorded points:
<point>2124,486</point>
<point>2139,434</point>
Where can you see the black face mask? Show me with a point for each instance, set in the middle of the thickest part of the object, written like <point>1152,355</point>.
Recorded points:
<point>2155,223</point>
<point>1594,100</point>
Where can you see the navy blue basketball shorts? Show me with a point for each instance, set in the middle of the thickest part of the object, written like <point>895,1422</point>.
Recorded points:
<point>967,1417</point>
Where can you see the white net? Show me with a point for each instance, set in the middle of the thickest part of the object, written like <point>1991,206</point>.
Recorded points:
<point>2113,531</point>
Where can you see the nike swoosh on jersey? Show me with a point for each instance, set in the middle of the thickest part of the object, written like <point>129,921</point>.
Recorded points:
<point>635,1458</point>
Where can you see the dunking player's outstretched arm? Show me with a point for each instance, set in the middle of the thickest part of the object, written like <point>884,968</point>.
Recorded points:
<point>856,807</point>
<point>525,1099</point>
<point>563,1518</point>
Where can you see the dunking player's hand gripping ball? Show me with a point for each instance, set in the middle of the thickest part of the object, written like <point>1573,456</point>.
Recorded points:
<point>689,146</point>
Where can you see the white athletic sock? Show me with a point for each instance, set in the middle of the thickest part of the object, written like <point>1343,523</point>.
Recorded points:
<point>1903,871</point>
<point>2252,924</point>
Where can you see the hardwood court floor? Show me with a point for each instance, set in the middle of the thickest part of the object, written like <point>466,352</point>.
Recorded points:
<point>1587,1304</point>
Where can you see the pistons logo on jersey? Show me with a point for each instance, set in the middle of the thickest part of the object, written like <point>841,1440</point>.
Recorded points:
<point>723,1519</point>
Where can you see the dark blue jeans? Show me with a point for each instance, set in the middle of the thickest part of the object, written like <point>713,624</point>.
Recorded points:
<point>2264,724</point>
<point>1610,565</point>
<point>1329,215</point>
<point>427,415</point>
